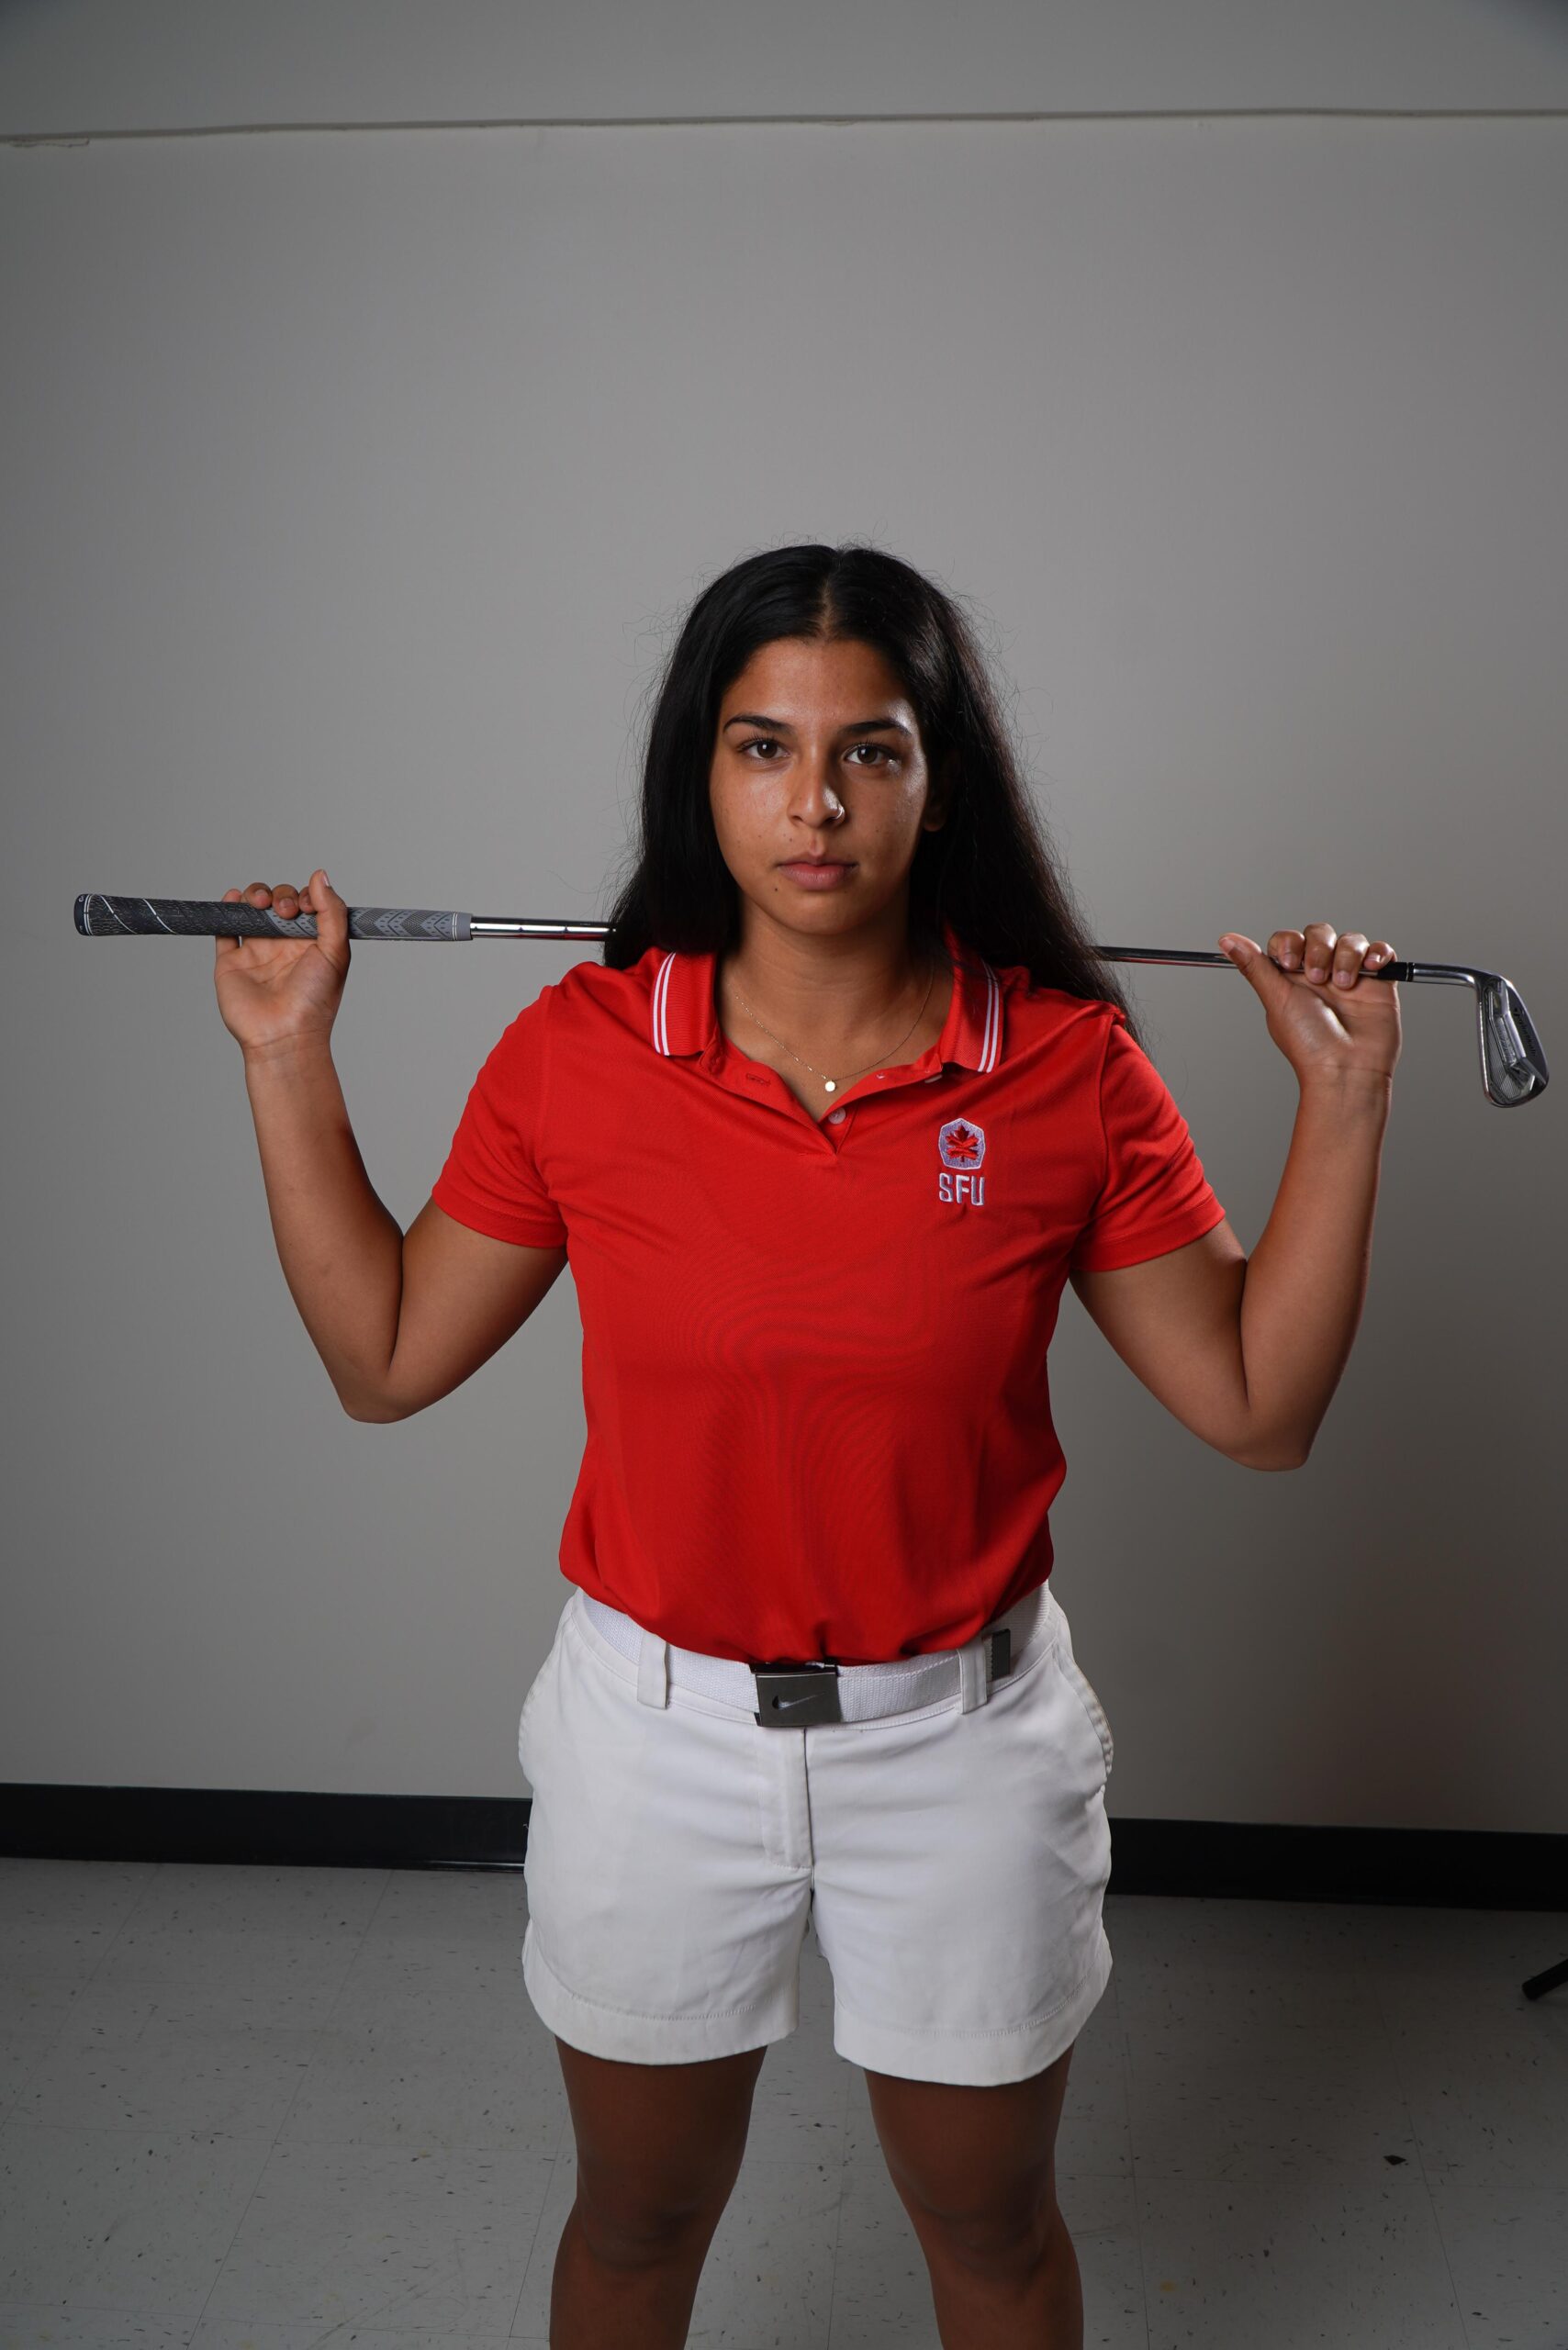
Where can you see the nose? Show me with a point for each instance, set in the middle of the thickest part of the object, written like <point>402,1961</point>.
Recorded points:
<point>817,800</point>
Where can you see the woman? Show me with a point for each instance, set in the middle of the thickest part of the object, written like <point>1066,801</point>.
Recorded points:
<point>847,1101</point>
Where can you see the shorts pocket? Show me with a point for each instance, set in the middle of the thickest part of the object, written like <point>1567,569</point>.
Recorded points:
<point>1078,1682</point>
<point>535,1688</point>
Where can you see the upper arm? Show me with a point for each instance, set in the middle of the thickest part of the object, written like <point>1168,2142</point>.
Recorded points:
<point>1175,1320</point>
<point>463,1296</point>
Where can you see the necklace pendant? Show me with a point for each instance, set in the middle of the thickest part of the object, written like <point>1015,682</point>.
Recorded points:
<point>830,1085</point>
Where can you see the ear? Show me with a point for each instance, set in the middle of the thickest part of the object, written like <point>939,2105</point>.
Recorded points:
<point>939,799</point>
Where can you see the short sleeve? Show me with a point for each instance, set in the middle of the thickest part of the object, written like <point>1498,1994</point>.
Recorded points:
<point>1155,1196</point>
<point>491,1179</point>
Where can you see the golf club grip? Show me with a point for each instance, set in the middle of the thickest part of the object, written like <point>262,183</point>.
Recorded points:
<point>101,917</point>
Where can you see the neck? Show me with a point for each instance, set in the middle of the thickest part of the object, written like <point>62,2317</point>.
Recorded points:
<point>837,994</point>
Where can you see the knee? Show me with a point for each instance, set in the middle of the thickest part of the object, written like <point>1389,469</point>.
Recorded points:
<point>629,2245</point>
<point>646,2230</point>
<point>1011,2240</point>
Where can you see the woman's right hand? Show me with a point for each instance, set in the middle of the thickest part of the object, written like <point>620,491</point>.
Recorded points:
<point>278,990</point>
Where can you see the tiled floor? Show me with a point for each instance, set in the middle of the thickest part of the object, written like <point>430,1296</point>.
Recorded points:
<point>257,2109</point>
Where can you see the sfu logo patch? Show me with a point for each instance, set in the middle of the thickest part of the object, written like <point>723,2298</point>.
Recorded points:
<point>961,1145</point>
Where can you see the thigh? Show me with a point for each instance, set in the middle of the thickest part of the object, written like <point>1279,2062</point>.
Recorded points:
<point>961,1866</point>
<point>657,2144</point>
<point>972,2157</point>
<point>660,1931</point>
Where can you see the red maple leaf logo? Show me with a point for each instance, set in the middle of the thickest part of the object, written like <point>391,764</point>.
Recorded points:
<point>963,1143</point>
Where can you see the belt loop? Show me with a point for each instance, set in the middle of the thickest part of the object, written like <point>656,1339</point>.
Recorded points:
<point>653,1670</point>
<point>982,1661</point>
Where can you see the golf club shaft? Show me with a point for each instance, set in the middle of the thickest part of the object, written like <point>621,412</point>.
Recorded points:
<point>1513,1066</point>
<point>98,916</point>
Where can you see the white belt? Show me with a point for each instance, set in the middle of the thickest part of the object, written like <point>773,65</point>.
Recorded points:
<point>796,1694</point>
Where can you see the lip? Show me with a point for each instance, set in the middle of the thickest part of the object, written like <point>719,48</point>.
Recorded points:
<point>817,872</point>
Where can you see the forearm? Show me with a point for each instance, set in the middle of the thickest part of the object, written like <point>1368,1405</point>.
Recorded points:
<point>1306,1280</point>
<point>342,1251</point>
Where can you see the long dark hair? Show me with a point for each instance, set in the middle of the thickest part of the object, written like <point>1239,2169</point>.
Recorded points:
<point>988,869</point>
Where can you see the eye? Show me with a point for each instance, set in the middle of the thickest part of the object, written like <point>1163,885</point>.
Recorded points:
<point>771,743</point>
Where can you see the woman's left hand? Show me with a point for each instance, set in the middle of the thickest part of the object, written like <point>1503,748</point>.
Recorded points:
<point>1329,1025</point>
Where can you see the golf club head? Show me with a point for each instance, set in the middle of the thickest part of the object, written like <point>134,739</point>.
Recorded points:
<point>1513,1067</point>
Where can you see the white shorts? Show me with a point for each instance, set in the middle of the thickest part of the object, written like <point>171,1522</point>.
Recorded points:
<point>952,1856</point>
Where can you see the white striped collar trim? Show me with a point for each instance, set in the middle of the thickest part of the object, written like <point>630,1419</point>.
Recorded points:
<point>681,1000</point>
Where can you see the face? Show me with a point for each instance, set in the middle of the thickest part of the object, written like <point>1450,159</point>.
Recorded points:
<point>807,730</point>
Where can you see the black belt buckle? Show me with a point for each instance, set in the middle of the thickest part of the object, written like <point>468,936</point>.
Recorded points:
<point>795,1696</point>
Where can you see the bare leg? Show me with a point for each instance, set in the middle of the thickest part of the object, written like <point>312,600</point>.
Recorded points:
<point>1037,2306</point>
<point>598,2304</point>
<point>659,2148</point>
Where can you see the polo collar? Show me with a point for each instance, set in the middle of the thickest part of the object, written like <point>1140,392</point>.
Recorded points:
<point>684,1018</point>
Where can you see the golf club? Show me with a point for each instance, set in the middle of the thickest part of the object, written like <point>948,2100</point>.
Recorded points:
<point>1513,1067</point>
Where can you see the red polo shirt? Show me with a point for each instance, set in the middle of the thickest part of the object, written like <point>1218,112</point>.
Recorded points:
<point>814,1384</point>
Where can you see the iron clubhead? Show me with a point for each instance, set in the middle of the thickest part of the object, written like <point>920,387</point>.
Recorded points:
<point>1513,1067</point>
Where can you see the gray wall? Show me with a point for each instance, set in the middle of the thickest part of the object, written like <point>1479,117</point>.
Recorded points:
<point>70,66</point>
<point>353,485</point>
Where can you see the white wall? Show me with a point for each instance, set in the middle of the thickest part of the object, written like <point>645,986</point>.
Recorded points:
<point>351,490</point>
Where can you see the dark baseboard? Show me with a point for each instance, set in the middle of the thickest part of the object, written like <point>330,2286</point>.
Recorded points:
<point>1446,1868</point>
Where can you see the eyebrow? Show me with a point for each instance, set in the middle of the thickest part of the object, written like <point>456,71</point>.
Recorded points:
<point>782,726</point>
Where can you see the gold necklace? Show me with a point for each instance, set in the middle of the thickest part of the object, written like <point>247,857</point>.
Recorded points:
<point>833,1083</point>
